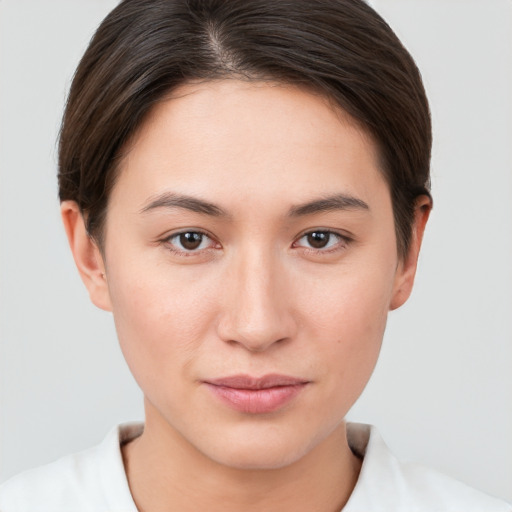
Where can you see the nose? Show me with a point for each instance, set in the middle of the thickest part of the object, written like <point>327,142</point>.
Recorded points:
<point>257,311</point>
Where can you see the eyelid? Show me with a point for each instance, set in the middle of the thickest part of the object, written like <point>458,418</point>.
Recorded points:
<point>344,240</point>
<point>166,240</point>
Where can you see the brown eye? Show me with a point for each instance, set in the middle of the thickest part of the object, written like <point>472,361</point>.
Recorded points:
<point>322,241</point>
<point>318,239</point>
<point>190,241</point>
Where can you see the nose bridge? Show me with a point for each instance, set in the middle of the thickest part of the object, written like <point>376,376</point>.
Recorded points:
<point>257,313</point>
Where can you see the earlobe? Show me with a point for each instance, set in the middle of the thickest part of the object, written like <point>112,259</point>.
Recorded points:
<point>87,255</point>
<point>407,268</point>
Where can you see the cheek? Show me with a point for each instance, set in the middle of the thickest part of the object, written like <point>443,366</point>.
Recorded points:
<point>161,319</point>
<point>350,304</point>
<point>348,321</point>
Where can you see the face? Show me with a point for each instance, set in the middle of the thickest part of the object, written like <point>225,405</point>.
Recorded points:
<point>251,261</point>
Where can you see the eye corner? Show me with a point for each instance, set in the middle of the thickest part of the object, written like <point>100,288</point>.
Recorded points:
<point>327,241</point>
<point>194,242</point>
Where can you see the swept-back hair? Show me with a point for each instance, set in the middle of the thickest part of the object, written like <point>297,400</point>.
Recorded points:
<point>340,48</point>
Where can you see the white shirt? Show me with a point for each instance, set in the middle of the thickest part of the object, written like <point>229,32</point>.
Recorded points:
<point>95,481</point>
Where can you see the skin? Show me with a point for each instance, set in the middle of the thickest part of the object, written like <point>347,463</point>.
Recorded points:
<point>254,298</point>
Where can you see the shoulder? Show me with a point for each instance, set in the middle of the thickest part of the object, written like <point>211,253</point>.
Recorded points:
<point>385,483</point>
<point>89,481</point>
<point>430,490</point>
<point>54,487</point>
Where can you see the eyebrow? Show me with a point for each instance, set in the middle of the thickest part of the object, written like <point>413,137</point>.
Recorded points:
<point>172,200</point>
<point>325,204</point>
<point>329,203</point>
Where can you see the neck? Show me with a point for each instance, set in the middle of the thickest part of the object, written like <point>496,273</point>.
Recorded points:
<point>165,472</point>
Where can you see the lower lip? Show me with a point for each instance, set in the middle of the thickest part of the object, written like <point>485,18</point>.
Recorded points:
<point>256,401</point>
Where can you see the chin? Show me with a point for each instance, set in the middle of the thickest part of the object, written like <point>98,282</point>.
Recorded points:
<point>253,458</point>
<point>265,450</point>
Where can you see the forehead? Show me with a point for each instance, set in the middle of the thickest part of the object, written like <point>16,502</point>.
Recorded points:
<point>234,139</point>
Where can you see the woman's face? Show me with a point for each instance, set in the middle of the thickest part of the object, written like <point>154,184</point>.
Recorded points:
<point>251,261</point>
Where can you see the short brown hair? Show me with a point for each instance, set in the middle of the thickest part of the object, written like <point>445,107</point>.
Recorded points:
<point>146,48</point>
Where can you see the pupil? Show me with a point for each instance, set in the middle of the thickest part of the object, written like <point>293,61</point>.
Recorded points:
<point>191,240</point>
<point>318,239</point>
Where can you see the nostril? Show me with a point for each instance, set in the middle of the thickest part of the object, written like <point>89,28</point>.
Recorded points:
<point>256,345</point>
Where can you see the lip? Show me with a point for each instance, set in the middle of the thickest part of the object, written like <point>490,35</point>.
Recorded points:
<point>256,395</point>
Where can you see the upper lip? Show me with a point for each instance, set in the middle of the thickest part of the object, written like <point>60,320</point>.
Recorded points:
<point>249,382</point>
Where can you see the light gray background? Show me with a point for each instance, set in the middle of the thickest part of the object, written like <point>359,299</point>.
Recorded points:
<point>442,391</point>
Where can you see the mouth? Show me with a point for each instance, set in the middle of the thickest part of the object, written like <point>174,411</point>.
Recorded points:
<point>256,395</point>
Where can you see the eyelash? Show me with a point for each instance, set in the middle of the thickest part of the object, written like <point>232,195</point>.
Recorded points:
<point>188,253</point>
<point>342,242</point>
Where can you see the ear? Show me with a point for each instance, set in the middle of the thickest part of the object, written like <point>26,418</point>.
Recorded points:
<point>86,254</point>
<point>406,270</point>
